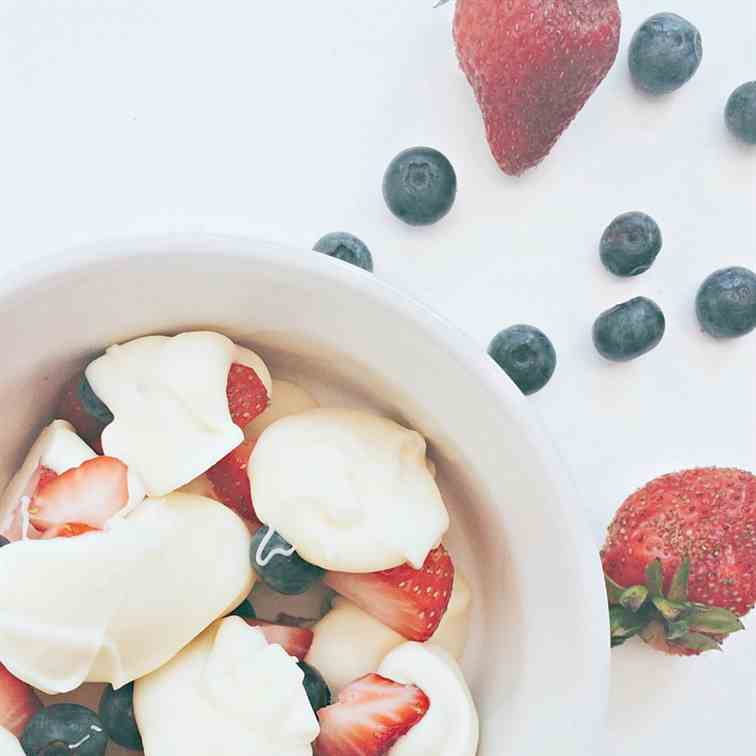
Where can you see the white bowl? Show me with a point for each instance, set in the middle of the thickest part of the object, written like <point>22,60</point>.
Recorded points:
<point>537,660</point>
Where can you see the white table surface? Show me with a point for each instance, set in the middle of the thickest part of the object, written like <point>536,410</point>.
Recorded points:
<point>277,119</point>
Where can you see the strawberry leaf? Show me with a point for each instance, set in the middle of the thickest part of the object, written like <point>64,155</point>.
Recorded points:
<point>623,622</point>
<point>613,590</point>
<point>678,590</point>
<point>670,610</point>
<point>677,629</point>
<point>633,598</point>
<point>699,642</point>
<point>654,578</point>
<point>713,619</point>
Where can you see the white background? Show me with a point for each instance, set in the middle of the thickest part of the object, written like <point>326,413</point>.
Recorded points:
<point>277,119</point>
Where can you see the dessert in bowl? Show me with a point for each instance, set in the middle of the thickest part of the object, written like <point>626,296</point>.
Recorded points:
<point>386,375</point>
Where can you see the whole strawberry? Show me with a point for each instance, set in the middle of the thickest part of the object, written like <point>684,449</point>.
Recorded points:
<point>680,560</point>
<point>533,64</point>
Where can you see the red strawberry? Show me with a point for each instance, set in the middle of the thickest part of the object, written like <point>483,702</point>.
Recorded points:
<point>71,408</point>
<point>231,482</point>
<point>296,641</point>
<point>411,602</point>
<point>86,495</point>
<point>18,702</point>
<point>680,560</point>
<point>247,395</point>
<point>370,715</point>
<point>533,64</point>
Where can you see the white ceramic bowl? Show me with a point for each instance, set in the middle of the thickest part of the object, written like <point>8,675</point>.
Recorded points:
<point>537,659</point>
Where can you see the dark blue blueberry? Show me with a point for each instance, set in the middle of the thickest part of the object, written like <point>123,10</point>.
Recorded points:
<point>117,714</point>
<point>630,244</point>
<point>245,610</point>
<point>629,330</point>
<point>419,186</point>
<point>67,726</point>
<point>315,686</point>
<point>279,566</point>
<point>346,247</point>
<point>92,404</point>
<point>3,541</point>
<point>665,52</point>
<point>726,303</point>
<point>740,113</point>
<point>526,355</point>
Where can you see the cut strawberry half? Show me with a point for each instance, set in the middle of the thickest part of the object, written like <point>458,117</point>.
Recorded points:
<point>247,395</point>
<point>88,495</point>
<point>18,702</point>
<point>296,641</point>
<point>409,601</point>
<point>231,482</point>
<point>89,424</point>
<point>370,715</point>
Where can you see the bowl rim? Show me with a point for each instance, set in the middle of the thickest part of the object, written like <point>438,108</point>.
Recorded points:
<point>592,615</point>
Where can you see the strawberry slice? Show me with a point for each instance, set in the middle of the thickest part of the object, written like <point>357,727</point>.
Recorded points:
<point>87,495</point>
<point>296,641</point>
<point>88,421</point>
<point>370,715</point>
<point>18,702</point>
<point>231,482</point>
<point>247,395</point>
<point>409,601</point>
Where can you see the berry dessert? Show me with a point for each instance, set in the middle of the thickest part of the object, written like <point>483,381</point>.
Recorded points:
<point>678,560</point>
<point>178,477</point>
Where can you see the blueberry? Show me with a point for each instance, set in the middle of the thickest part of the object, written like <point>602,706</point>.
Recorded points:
<point>280,567</point>
<point>67,726</point>
<point>526,355</point>
<point>665,52</point>
<point>740,113</point>
<point>630,244</point>
<point>315,686</point>
<point>92,404</point>
<point>3,541</point>
<point>245,610</point>
<point>346,247</point>
<point>117,714</point>
<point>419,186</point>
<point>726,303</point>
<point>629,330</point>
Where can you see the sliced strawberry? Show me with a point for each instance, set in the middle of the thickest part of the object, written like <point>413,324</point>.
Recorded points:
<point>71,407</point>
<point>231,482</point>
<point>69,530</point>
<point>411,602</point>
<point>247,395</point>
<point>46,475</point>
<point>86,495</point>
<point>370,715</point>
<point>296,641</point>
<point>18,702</point>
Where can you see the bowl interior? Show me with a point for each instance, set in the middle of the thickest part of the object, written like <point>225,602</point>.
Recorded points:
<point>537,657</point>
